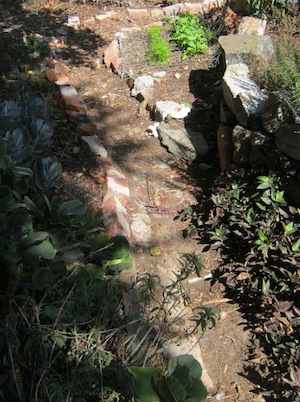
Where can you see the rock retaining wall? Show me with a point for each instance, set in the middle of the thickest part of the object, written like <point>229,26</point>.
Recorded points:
<point>257,127</point>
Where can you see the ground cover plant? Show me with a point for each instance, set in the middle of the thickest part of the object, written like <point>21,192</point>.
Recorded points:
<point>248,219</point>
<point>190,35</point>
<point>159,49</point>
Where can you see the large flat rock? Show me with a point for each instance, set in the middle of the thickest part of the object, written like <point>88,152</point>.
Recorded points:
<point>240,48</point>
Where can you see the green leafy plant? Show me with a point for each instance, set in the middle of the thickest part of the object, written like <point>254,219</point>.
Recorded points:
<point>190,35</point>
<point>268,7</point>
<point>159,49</point>
<point>258,233</point>
<point>181,382</point>
<point>59,287</point>
<point>283,72</point>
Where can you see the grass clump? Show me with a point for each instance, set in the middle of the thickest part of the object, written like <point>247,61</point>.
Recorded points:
<point>190,35</point>
<point>159,49</point>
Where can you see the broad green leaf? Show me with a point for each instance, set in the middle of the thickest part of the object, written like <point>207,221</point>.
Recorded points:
<point>43,250</point>
<point>119,264</point>
<point>296,246</point>
<point>73,207</point>
<point>75,254</point>
<point>289,228</point>
<point>188,361</point>
<point>99,242</point>
<point>145,378</point>
<point>182,373</point>
<point>30,206</point>
<point>170,390</point>
<point>32,239</point>
<point>20,222</point>
<point>197,392</point>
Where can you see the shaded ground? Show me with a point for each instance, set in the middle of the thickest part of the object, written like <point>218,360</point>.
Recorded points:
<point>156,178</point>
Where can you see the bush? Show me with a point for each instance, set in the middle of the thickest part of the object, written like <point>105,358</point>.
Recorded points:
<point>283,72</point>
<point>270,7</point>
<point>258,235</point>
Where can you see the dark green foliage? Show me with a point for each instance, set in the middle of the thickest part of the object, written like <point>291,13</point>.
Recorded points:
<point>258,234</point>
<point>283,72</point>
<point>159,49</point>
<point>181,383</point>
<point>269,6</point>
<point>57,306</point>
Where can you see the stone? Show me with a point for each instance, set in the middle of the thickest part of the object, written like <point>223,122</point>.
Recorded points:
<point>157,13</point>
<point>141,83</point>
<point>226,115</point>
<point>87,21</point>
<point>242,145</point>
<point>239,69</point>
<point>262,149</point>
<point>112,56</point>
<point>102,17</point>
<point>242,48</point>
<point>51,75</point>
<point>173,10</point>
<point>225,146</point>
<point>244,97</point>
<point>164,109</point>
<point>141,228</point>
<point>61,68</point>
<point>252,26</point>
<point>115,217</point>
<point>145,97</point>
<point>117,186</point>
<point>159,74</point>
<point>71,99</point>
<point>95,145</point>
<point>138,14</point>
<point>194,8</point>
<point>74,22</point>
<point>249,106</point>
<point>288,140</point>
<point>62,79</point>
<point>187,145</point>
<point>279,110</point>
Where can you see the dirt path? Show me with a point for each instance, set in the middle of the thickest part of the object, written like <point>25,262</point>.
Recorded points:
<point>161,185</point>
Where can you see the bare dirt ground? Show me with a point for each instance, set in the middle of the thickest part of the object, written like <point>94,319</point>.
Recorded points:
<point>158,181</point>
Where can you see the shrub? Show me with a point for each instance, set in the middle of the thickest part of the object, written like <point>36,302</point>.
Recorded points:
<point>283,72</point>
<point>269,6</point>
<point>159,49</point>
<point>190,35</point>
<point>258,235</point>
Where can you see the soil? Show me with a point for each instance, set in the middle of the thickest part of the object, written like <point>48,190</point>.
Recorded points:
<point>161,185</point>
